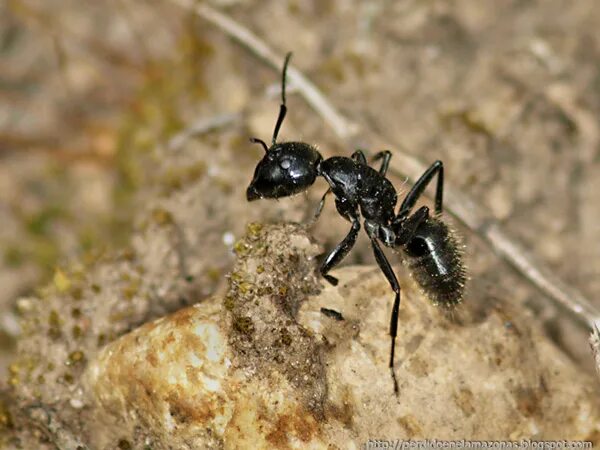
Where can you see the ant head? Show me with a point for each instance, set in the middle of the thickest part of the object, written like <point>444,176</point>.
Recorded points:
<point>286,169</point>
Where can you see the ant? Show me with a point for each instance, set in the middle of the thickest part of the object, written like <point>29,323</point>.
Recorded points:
<point>431,250</point>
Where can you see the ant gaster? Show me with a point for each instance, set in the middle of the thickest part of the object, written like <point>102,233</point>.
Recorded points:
<point>430,250</point>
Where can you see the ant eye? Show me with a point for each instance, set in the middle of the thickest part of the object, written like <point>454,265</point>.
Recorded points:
<point>285,164</point>
<point>417,247</point>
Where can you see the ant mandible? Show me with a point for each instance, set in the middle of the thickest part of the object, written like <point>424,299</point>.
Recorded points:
<point>431,251</point>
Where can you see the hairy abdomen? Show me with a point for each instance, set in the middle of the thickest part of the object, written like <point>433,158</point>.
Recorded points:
<point>435,261</point>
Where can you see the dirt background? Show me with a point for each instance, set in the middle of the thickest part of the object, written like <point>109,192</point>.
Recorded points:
<point>507,94</point>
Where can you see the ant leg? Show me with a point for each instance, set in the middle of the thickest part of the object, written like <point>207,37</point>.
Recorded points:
<point>386,268</point>
<point>386,155</point>
<point>340,252</point>
<point>321,205</point>
<point>406,229</point>
<point>359,157</point>
<point>416,191</point>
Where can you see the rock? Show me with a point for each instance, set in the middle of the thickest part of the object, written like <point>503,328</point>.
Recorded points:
<point>263,367</point>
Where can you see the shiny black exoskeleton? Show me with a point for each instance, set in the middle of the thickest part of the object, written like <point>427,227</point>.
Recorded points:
<point>429,247</point>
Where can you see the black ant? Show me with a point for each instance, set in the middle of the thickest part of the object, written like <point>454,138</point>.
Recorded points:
<point>431,251</point>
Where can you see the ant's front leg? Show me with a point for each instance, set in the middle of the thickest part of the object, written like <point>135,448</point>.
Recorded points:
<point>320,207</point>
<point>340,251</point>
<point>387,270</point>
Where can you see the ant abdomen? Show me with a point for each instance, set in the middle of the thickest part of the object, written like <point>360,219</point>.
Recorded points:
<point>434,258</point>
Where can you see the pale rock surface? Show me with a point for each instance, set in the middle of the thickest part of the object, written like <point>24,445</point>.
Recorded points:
<point>241,372</point>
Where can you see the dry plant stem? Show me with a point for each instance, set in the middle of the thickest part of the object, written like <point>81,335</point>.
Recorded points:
<point>463,208</point>
<point>198,127</point>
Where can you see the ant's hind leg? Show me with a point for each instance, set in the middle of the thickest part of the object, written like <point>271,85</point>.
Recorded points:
<point>340,252</point>
<point>385,155</point>
<point>387,270</point>
<point>359,157</point>
<point>406,231</point>
<point>437,168</point>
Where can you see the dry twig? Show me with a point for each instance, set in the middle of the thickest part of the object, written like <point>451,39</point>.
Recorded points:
<point>198,127</point>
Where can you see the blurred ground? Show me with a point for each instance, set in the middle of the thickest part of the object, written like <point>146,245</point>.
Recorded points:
<point>506,94</point>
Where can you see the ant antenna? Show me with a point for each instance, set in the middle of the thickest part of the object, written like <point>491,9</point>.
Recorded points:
<point>261,142</point>
<point>282,108</point>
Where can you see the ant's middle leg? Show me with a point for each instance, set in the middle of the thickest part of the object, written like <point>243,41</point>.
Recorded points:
<point>340,251</point>
<point>385,155</point>
<point>387,270</point>
<point>416,191</point>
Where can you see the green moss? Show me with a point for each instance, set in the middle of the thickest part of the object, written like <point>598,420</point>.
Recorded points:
<point>44,252</point>
<point>286,338</point>
<point>54,322</point>
<point>213,274</point>
<point>75,357</point>
<point>61,281</point>
<point>132,289</point>
<point>253,229</point>
<point>14,256</point>
<point>243,325</point>
<point>77,293</point>
<point>6,421</point>
<point>89,237</point>
<point>241,247</point>
<point>162,217</point>
<point>236,277</point>
<point>68,378</point>
<point>77,332</point>
<point>229,303</point>
<point>39,221</point>
<point>245,287</point>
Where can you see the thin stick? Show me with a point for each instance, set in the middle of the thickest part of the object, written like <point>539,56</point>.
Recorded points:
<point>200,126</point>
<point>403,164</point>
